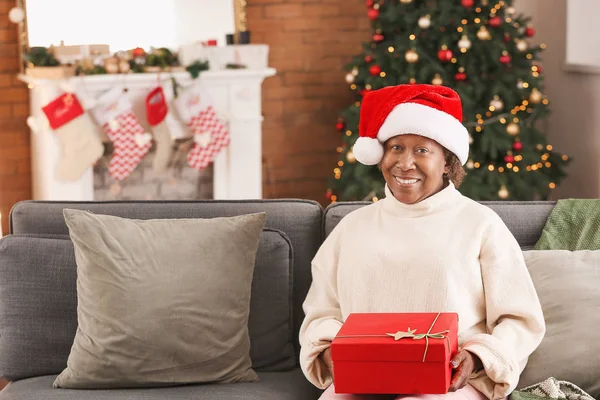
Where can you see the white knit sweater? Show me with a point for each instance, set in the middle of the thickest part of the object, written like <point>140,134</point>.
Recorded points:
<point>446,253</point>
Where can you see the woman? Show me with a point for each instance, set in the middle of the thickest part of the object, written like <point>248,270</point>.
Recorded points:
<point>424,248</point>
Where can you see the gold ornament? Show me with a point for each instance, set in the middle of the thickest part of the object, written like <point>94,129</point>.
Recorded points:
<point>483,34</point>
<point>350,77</point>
<point>437,80</point>
<point>470,164</point>
<point>503,192</point>
<point>497,103</point>
<point>355,71</point>
<point>425,22</point>
<point>464,42</point>
<point>406,1</point>
<point>470,139</point>
<point>520,84</point>
<point>510,10</point>
<point>540,147</point>
<point>522,45</point>
<point>350,157</point>
<point>513,129</point>
<point>411,56</point>
<point>535,96</point>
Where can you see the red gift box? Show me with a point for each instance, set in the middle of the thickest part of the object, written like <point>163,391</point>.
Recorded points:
<point>395,353</point>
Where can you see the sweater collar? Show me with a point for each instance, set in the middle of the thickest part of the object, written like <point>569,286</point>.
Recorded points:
<point>438,202</point>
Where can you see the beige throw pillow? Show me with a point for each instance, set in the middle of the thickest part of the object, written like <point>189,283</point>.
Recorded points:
<point>161,302</point>
<point>568,285</point>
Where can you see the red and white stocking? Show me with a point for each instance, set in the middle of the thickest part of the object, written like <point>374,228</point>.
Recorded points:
<point>130,142</point>
<point>210,133</point>
<point>80,146</point>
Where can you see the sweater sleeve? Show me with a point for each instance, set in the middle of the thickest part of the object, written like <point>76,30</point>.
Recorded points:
<point>323,317</point>
<point>514,318</point>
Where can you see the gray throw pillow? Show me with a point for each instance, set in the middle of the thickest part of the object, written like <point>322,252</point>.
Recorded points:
<point>567,284</point>
<point>161,302</point>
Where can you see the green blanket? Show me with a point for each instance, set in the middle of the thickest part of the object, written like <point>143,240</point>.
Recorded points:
<point>551,388</point>
<point>573,224</point>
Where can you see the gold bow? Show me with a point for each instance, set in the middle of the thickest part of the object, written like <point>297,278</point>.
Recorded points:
<point>410,333</point>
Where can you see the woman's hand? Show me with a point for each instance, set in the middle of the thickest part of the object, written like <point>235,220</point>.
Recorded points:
<point>464,364</point>
<point>326,356</point>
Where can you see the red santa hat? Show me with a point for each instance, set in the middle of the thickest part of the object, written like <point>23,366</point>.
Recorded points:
<point>426,110</point>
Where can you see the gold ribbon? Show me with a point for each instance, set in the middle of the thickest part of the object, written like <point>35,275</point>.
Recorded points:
<point>410,333</point>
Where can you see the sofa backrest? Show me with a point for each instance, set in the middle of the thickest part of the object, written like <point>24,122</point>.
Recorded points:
<point>297,222</point>
<point>524,219</point>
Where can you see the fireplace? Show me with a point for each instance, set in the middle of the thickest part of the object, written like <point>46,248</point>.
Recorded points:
<point>235,174</point>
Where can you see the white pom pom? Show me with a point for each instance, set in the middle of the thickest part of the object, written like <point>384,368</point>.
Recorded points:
<point>16,15</point>
<point>368,151</point>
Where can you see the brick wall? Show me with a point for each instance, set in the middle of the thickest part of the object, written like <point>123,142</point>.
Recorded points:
<point>15,180</point>
<point>310,42</point>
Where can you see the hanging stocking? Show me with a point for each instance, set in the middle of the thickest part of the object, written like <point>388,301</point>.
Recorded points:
<point>210,133</point>
<point>157,113</point>
<point>79,145</point>
<point>130,143</point>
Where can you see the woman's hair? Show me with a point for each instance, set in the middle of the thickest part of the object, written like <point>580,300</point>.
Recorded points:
<point>457,173</point>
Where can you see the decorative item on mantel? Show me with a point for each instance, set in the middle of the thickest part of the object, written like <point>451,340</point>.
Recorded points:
<point>41,63</point>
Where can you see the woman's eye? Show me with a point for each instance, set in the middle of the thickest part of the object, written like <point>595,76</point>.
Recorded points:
<point>396,147</point>
<point>422,150</point>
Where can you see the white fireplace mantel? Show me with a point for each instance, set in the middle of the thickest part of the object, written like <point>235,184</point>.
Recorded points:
<point>237,98</point>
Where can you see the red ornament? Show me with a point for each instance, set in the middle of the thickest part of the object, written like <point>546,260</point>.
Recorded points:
<point>506,38</point>
<point>368,59</point>
<point>369,3</point>
<point>373,14</point>
<point>138,52</point>
<point>509,158</point>
<point>375,70</point>
<point>444,55</point>
<point>460,76</point>
<point>529,32</point>
<point>539,68</point>
<point>517,146</point>
<point>378,37</point>
<point>328,195</point>
<point>467,3</point>
<point>505,59</point>
<point>340,126</point>
<point>495,22</point>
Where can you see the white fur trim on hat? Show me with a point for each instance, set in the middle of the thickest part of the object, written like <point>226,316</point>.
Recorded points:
<point>418,119</point>
<point>368,151</point>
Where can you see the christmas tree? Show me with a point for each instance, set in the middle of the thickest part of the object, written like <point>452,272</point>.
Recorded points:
<point>480,49</point>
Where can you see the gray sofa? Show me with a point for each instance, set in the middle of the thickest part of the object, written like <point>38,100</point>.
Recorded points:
<point>38,293</point>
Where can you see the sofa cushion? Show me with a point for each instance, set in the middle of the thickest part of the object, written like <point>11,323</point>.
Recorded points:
<point>567,284</point>
<point>299,219</point>
<point>524,219</point>
<point>38,301</point>
<point>161,302</point>
<point>290,385</point>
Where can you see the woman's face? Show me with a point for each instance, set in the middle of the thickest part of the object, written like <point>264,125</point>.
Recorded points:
<point>413,167</point>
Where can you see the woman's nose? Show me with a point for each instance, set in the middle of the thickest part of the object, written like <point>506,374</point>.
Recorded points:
<point>405,161</point>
